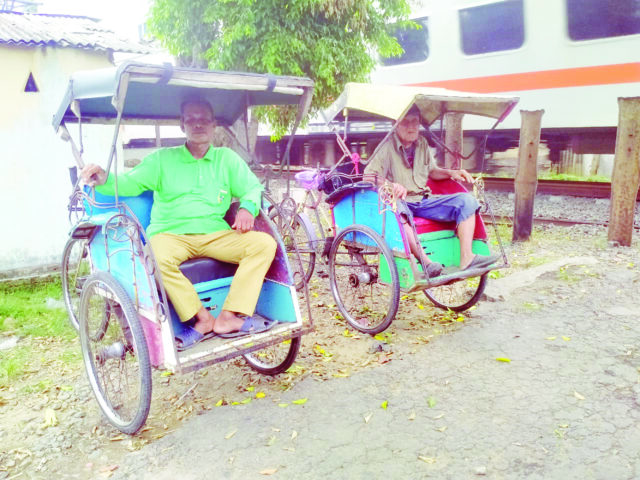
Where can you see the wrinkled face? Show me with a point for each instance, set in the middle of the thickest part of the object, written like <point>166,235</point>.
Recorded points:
<point>408,129</point>
<point>197,123</point>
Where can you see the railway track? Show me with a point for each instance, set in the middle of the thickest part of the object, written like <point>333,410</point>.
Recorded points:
<point>563,222</point>
<point>556,187</point>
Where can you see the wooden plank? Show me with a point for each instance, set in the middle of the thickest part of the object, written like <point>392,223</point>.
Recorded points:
<point>625,178</point>
<point>526,180</point>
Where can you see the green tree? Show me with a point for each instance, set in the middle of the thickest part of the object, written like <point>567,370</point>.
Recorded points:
<point>330,41</point>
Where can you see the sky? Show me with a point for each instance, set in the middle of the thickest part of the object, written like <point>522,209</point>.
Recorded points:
<point>123,16</point>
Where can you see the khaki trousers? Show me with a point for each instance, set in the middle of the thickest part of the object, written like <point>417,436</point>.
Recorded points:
<point>252,251</point>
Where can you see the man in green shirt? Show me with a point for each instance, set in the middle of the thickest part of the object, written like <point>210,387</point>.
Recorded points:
<point>193,186</point>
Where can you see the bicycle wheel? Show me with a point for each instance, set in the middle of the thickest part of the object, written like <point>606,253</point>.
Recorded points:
<point>116,360</point>
<point>76,267</point>
<point>297,233</point>
<point>274,359</point>
<point>357,259</point>
<point>458,296</point>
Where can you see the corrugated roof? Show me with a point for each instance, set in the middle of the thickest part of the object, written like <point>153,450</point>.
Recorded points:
<point>26,29</point>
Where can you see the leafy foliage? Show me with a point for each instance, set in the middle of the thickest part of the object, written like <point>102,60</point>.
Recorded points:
<point>330,41</point>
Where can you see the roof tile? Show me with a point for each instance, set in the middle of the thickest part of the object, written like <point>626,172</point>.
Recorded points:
<point>26,29</point>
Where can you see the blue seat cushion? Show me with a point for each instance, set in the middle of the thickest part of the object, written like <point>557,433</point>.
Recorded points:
<point>206,269</point>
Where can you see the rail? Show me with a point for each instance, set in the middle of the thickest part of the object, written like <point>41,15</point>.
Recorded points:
<point>556,187</point>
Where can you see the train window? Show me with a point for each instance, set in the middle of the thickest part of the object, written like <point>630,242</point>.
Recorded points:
<point>589,19</point>
<point>492,28</point>
<point>415,43</point>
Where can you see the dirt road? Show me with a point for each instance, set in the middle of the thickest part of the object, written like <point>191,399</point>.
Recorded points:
<point>543,384</point>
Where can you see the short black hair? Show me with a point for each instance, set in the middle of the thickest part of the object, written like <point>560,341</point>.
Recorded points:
<point>197,100</point>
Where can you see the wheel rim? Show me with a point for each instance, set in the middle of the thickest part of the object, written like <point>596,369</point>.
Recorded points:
<point>275,358</point>
<point>367,301</point>
<point>115,359</point>
<point>299,246</point>
<point>458,296</point>
<point>76,267</point>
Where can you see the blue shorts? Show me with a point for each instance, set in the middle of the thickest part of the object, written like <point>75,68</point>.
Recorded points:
<point>442,208</point>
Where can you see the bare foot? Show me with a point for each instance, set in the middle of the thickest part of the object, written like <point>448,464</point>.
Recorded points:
<point>227,322</point>
<point>204,321</point>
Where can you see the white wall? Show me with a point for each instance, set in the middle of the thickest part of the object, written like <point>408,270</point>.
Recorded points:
<point>34,179</point>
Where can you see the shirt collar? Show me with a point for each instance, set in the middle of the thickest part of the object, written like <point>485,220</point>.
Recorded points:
<point>188,158</point>
<point>401,149</point>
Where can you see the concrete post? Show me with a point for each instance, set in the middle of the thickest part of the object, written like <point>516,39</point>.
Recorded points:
<point>526,181</point>
<point>625,178</point>
<point>453,139</point>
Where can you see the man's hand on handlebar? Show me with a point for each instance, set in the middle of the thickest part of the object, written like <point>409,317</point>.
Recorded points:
<point>461,176</point>
<point>399,191</point>
<point>93,175</point>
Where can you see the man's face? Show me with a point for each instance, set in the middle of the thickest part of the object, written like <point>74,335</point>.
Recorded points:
<point>197,123</point>
<point>408,129</point>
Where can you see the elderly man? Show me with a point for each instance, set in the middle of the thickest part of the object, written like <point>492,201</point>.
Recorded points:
<point>193,185</point>
<point>406,162</point>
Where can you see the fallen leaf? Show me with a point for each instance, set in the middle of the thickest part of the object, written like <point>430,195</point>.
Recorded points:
<point>503,359</point>
<point>282,405</point>
<point>368,417</point>
<point>246,400</point>
<point>300,401</point>
<point>550,338</point>
<point>50,419</point>
<point>427,459</point>
<point>260,395</point>
<point>166,373</point>
<point>431,401</point>
<point>230,434</point>
<point>294,434</point>
<point>219,403</point>
<point>578,396</point>
<point>384,405</point>
<point>347,333</point>
<point>66,388</point>
<point>460,318</point>
<point>268,471</point>
<point>412,416</point>
<point>566,339</point>
<point>250,389</point>
<point>441,429</point>
<point>420,306</point>
<point>271,440</point>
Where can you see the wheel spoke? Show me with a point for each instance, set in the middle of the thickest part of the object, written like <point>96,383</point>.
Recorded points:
<point>115,353</point>
<point>459,295</point>
<point>367,301</point>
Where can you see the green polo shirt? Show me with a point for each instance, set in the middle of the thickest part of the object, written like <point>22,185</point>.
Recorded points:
<point>190,196</point>
<point>390,162</point>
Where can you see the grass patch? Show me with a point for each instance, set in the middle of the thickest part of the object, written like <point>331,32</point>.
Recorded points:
<point>14,366</point>
<point>574,178</point>
<point>531,307</point>
<point>34,308</point>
